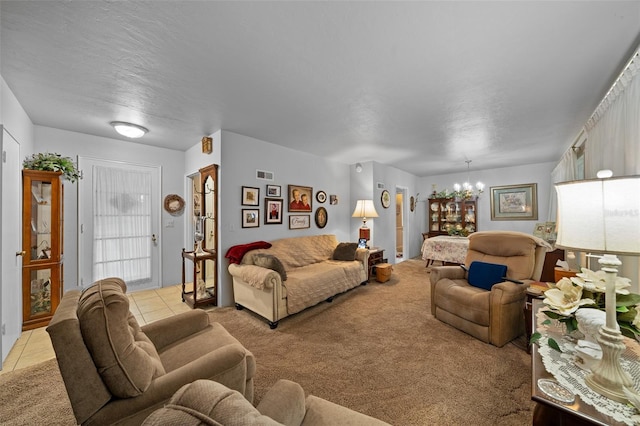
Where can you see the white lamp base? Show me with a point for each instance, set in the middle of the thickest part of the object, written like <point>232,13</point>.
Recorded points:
<point>607,377</point>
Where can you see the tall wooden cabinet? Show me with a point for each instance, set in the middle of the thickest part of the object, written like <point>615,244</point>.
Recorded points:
<point>452,216</point>
<point>42,225</point>
<point>204,287</point>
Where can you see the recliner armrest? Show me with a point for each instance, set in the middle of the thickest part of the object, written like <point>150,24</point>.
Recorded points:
<point>284,403</point>
<point>168,330</point>
<point>452,272</point>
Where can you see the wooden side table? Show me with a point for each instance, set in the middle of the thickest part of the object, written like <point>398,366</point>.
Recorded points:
<point>376,255</point>
<point>200,261</point>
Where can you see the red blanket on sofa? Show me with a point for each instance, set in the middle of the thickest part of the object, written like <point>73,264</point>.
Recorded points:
<point>235,253</point>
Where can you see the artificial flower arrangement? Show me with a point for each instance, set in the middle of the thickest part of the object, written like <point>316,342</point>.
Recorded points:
<point>587,291</point>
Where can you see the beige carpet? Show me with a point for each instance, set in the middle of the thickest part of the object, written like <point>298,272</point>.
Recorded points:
<point>375,349</point>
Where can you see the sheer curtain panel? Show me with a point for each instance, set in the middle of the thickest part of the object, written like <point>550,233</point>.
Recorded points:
<point>122,224</point>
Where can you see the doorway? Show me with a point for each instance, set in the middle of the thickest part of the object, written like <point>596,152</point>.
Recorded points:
<point>400,224</point>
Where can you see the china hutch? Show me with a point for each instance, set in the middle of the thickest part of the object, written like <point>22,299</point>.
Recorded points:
<point>452,216</point>
<point>42,225</point>
<point>203,288</point>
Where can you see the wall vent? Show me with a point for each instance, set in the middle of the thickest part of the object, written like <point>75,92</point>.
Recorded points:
<point>380,185</point>
<point>264,175</point>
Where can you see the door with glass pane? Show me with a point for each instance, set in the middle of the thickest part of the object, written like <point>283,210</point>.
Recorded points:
<point>119,206</point>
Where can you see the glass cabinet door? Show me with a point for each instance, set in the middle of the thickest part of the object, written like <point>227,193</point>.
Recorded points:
<point>40,292</point>
<point>41,220</point>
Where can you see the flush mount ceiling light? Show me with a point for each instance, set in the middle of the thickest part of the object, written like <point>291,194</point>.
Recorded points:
<point>128,129</point>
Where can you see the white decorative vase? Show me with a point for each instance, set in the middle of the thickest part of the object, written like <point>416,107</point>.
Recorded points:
<point>588,350</point>
<point>198,234</point>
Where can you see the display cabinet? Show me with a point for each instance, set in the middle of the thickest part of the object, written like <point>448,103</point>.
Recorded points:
<point>452,216</point>
<point>42,248</point>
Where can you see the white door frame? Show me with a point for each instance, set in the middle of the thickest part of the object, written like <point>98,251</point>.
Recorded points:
<point>405,222</point>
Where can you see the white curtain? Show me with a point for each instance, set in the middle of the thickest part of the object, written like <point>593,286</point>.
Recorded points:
<point>564,171</point>
<point>614,130</point>
<point>614,142</point>
<point>122,224</point>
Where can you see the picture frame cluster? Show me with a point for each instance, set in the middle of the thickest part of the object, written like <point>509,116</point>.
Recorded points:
<point>300,200</point>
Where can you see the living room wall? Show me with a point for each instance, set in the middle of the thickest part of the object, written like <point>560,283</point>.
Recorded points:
<point>241,157</point>
<point>529,173</point>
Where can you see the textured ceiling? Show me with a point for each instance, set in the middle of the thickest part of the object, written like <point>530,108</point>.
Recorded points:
<point>421,86</point>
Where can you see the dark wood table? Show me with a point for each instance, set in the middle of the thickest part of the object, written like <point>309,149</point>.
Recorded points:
<point>551,413</point>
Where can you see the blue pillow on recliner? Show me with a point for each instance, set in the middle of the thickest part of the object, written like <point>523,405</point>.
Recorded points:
<point>485,275</point>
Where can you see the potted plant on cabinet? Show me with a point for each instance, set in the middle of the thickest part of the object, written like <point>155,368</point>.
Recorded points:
<point>53,162</point>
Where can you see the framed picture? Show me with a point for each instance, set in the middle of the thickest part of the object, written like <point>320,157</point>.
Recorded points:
<point>333,200</point>
<point>272,211</point>
<point>321,217</point>
<point>321,196</point>
<point>299,221</point>
<point>250,196</point>
<point>514,202</point>
<point>250,218</point>
<point>300,198</point>
<point>273,191</point>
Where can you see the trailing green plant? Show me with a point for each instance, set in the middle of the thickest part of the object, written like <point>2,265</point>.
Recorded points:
<point>52,162</point>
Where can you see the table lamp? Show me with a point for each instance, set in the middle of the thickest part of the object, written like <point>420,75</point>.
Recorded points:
<point>365,209</point>
<point>603,216</point>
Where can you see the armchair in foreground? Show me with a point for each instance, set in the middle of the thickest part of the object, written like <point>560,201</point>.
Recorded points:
<point>117,372</point>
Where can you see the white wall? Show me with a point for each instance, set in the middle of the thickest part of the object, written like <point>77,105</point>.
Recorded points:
<point>386,223</point>
<point>74,144</point>
<point>531,173</point>
<point>241,157</point>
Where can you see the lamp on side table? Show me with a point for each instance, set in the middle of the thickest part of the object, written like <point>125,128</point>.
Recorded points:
<point>603,216</point>
<point>365,209</point>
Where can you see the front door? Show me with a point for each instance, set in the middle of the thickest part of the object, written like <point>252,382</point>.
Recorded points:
<point>119,211</point>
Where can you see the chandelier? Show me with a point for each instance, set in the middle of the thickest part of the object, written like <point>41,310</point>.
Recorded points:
<point>466,190</point>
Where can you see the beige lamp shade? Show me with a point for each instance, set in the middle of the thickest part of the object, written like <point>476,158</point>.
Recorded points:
<point>365,209</point>
<point>600,215</point>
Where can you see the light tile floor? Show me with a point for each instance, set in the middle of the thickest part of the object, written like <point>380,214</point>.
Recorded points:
<point>34,346</point>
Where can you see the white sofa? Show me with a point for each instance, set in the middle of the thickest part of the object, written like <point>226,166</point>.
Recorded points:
<point>312,276</point>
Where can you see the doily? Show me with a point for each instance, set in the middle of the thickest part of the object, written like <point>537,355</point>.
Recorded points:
<point>564,369</point>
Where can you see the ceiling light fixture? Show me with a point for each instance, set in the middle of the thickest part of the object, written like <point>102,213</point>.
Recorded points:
<point>128,129</point>
<point>467,190</point>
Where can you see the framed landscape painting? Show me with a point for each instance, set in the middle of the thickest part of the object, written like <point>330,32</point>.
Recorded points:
<point>514,202</point>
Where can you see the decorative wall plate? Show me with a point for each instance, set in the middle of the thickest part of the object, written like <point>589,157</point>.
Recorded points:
<point>385,198</point>
<point>321,196</point>
<point>173,204</point>
<point>321,217</point>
